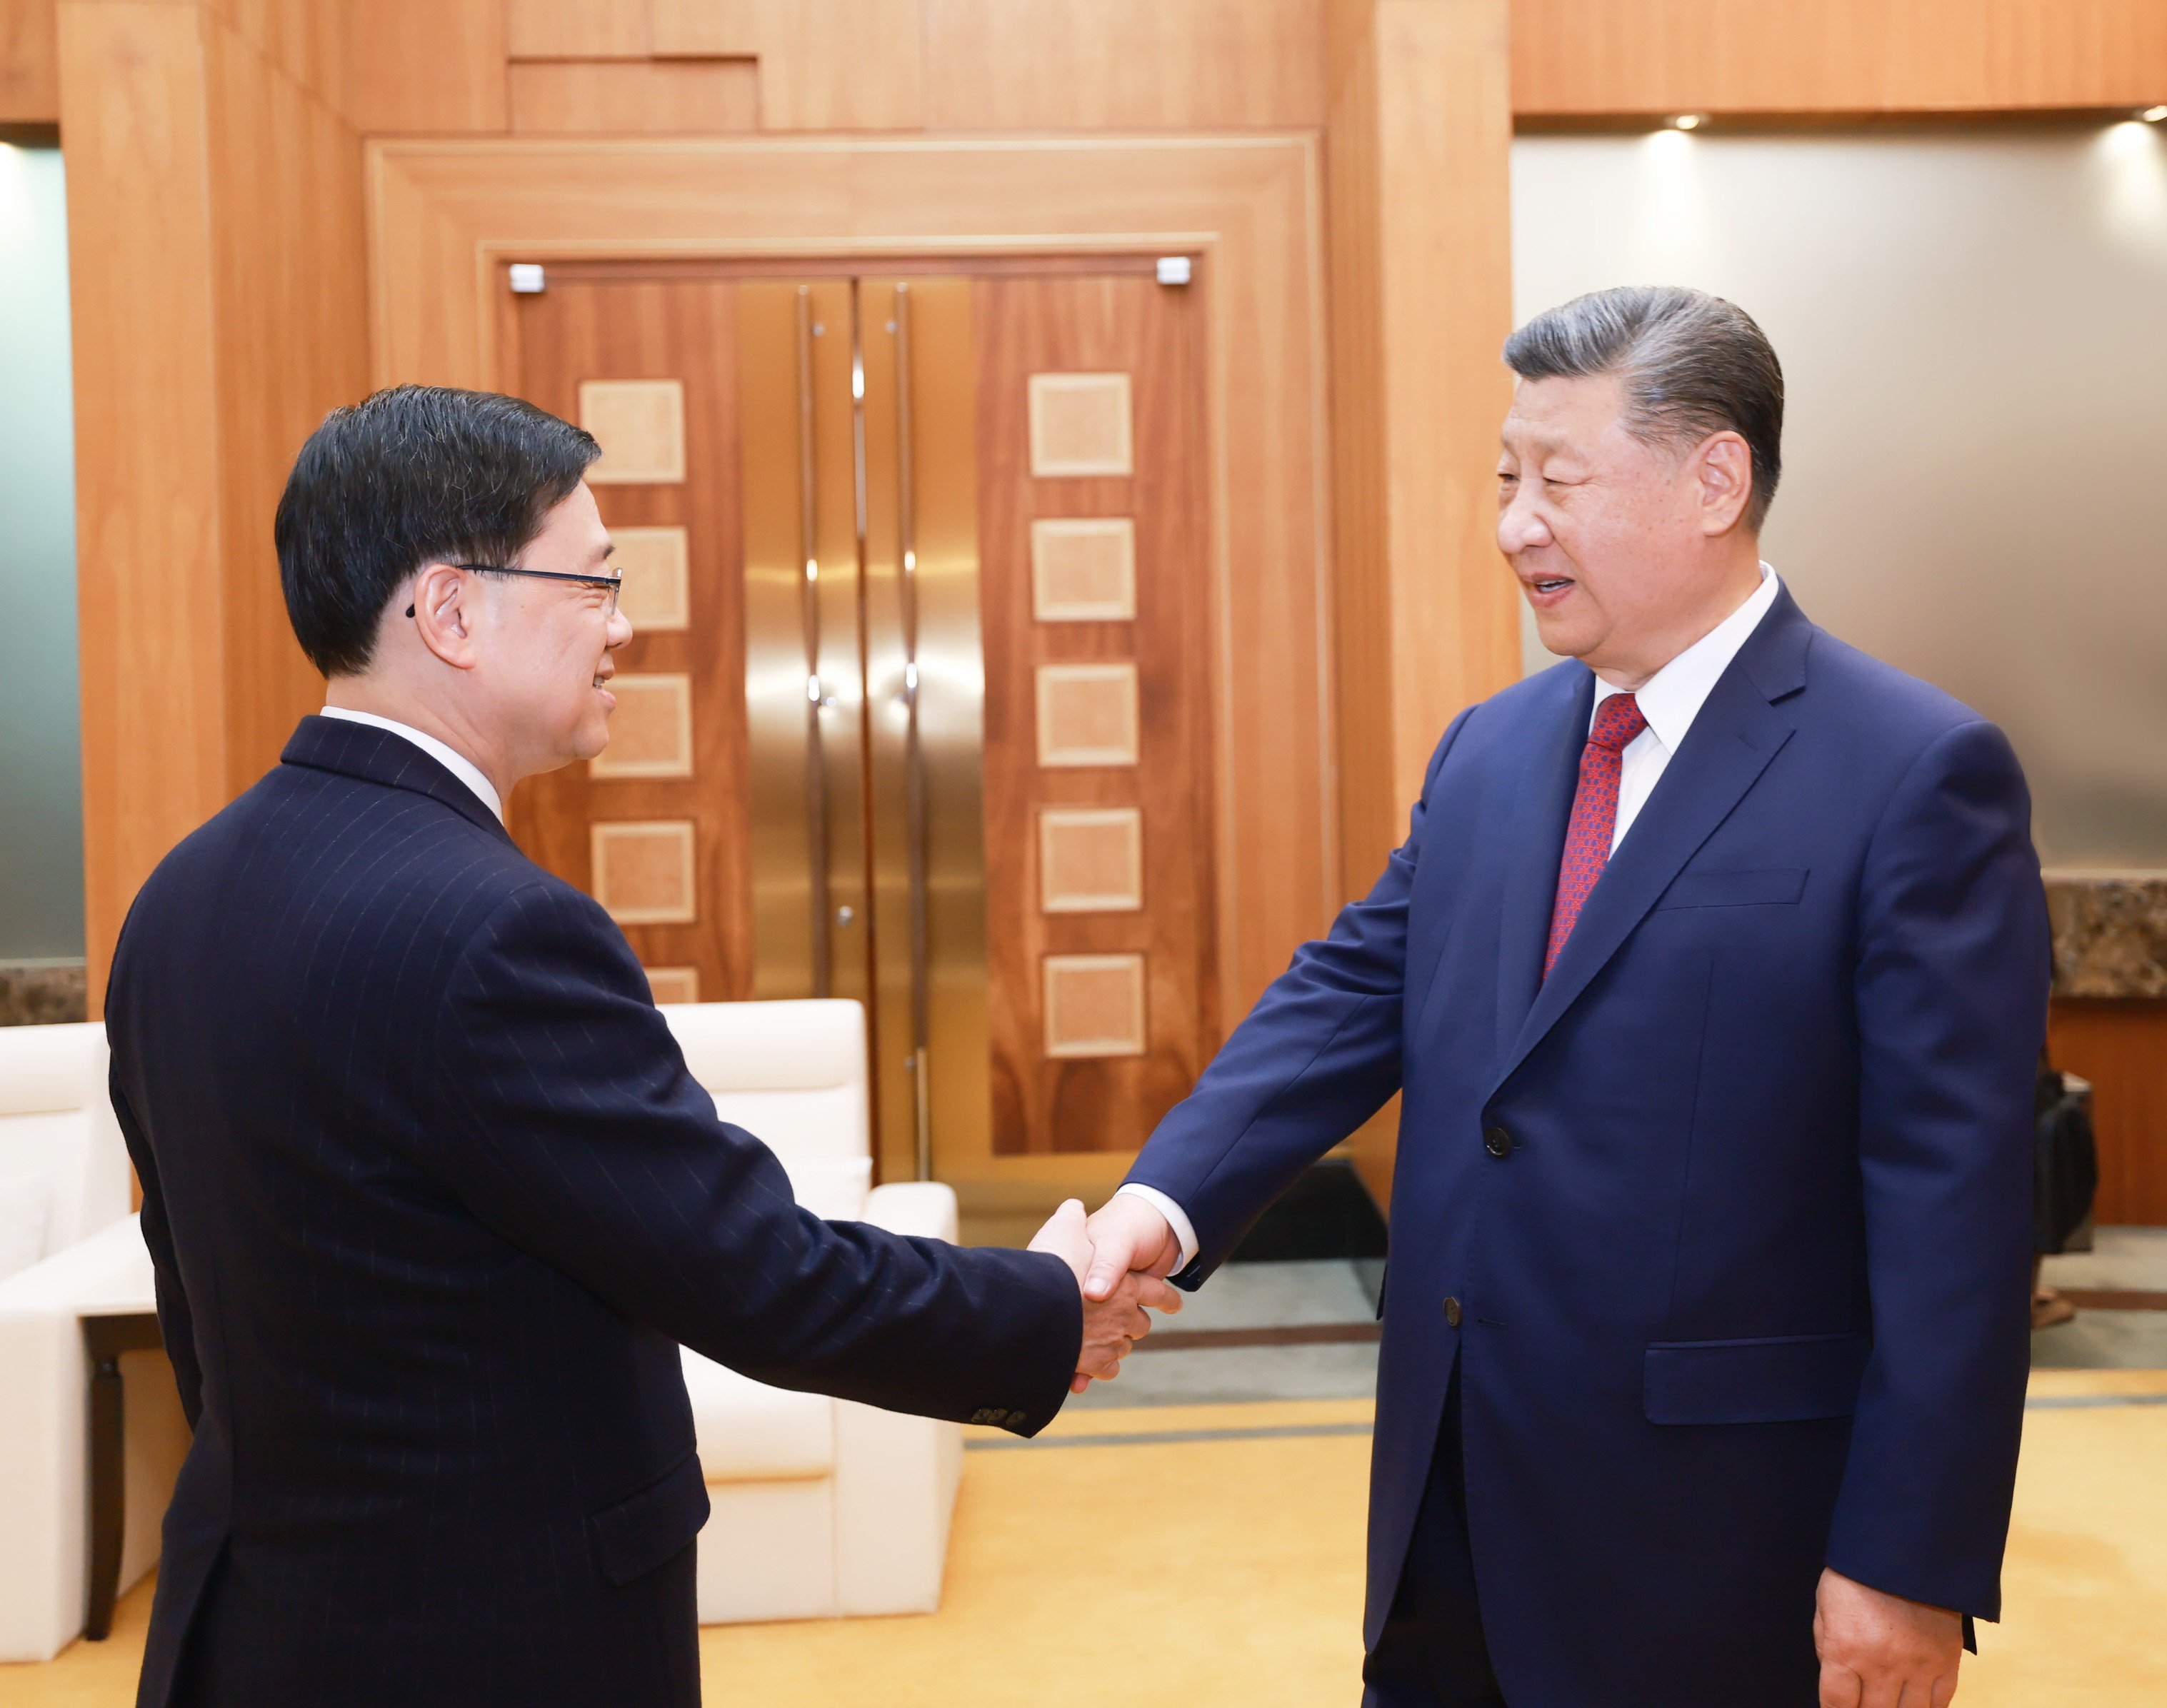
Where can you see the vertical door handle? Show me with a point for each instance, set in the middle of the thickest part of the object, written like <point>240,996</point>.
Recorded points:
<point>913,755</point>
<point>821,914</point>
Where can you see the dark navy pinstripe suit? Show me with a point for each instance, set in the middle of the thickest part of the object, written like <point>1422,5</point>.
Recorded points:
<point>433,1200</point>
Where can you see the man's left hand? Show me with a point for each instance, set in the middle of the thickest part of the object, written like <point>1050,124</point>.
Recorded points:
<point>1880,1651</point>
<point>1114,1318</point>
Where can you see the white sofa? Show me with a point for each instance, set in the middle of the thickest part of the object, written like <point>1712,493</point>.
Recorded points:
<point>68,1248</point>
<point>822,1507</point>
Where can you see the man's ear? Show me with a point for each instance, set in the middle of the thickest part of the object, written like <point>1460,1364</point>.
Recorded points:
<point>438,604</point>
<point>1723,467</point>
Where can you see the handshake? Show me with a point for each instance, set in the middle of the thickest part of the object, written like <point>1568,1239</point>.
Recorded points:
<point>1121,1257</point>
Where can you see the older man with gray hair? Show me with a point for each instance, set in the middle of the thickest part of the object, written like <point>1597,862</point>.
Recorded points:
<point>1713,971</point>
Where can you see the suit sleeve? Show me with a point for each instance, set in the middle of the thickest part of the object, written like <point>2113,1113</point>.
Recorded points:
<point>1951,985</point>
<point>579,1135</point>
<point>1317,1056</point>
<point>176,1324</point>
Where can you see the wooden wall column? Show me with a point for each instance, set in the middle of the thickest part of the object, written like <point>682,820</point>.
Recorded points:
<point>1419,149</point>
<point>215,245</point>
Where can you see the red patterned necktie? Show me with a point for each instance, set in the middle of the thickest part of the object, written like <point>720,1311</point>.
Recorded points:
<point>1588,832</point>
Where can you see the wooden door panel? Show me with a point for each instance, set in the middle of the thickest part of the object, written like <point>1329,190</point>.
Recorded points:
<point>1102,988</point>
<point>640,801</point>
<point>1100,996</point>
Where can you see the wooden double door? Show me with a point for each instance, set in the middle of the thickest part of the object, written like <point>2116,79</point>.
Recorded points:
<point>917,708</point>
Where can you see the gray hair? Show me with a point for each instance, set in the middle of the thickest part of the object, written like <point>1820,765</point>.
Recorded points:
<point>1692,364</point>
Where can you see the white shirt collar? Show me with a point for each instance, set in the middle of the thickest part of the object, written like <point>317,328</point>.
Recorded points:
<point>1672,698</point>
<point>457,764</point>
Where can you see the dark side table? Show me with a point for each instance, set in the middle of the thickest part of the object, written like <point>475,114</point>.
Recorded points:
<point>105,1336</point>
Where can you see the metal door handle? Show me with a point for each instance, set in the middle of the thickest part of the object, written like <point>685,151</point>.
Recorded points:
<point>914,756</point>
<point>816,763</point>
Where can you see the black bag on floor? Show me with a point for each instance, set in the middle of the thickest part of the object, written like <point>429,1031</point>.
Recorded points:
<point>2065,1161</point>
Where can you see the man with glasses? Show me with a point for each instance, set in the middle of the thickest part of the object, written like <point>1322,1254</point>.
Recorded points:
<point>432,1198</point>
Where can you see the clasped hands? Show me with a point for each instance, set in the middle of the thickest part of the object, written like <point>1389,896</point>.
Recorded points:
<point>1121,1257</point>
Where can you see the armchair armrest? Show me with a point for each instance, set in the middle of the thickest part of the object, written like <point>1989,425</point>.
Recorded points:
<point>45,1372</point>
<point>923,1208</point>
<point>896,1477</point>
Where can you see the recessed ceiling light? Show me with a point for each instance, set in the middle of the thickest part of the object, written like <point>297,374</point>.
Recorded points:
<point>1689,121</point>
<point>2153,115</point>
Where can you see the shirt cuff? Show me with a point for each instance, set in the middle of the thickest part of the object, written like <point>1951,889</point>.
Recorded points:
<point>1176,1219</point>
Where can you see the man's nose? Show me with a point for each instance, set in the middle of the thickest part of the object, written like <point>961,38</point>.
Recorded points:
<point>620,631</point>
<point>1520,526</point>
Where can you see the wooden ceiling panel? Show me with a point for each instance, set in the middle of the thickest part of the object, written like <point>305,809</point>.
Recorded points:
<point>1802,56</point>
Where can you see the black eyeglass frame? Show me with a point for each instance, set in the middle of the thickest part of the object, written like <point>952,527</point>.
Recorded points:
<point>611,582</point>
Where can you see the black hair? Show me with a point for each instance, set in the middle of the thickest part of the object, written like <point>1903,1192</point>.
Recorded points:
<point>1692,364</point>
<point>414,474</point>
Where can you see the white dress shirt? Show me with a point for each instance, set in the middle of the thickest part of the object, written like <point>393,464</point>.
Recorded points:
<point>1670,700</point>
<point>457,764</point>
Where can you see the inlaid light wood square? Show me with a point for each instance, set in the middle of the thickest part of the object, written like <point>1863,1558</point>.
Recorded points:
<point>650,732</point>
<point>1090,860</point>
<point>1084,570</point>
<point>656,564</point>
<point>1087,715</point>
<point>1094,1005</point>
<point>674,984</point>
<point>1079,425</point>
<point>640,426</point>
<point>642,871</point>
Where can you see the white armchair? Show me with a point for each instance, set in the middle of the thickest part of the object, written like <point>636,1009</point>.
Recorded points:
<point>822,1507</point>
<point>69,1249</point>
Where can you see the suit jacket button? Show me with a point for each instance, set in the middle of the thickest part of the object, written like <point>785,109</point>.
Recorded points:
<point>982,1416</point>
<point>1452,1312</point>
<point>1497,1142</point>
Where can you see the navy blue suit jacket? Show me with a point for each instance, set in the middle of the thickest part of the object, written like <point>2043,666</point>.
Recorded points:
<point>1736,1203</point>
<point>432,1201</point>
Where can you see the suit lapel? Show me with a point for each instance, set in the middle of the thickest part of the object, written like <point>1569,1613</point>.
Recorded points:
<point>1535,835</point>
<point>1737,732</point>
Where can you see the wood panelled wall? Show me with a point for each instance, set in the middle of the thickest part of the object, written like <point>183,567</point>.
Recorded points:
<point>217,237</point>
<point>30,63</point>
<point>433,66</point>
<point>1804,56</point>
<point>216,191</point>
<point>2120,1046</point>
<point>218,275</point>
<point>1420,133</point>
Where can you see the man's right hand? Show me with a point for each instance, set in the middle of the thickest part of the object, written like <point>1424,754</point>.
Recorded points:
<point>1114,1319</point>
<point>1128,1233</point>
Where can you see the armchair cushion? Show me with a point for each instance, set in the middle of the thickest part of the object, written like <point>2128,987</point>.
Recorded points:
<point>26,1201</point>
<point>792,1073</point>
<point>833,1188</point>
<point>45,1372</point>
<point>820,1507</point>
<point>923,1209</point>
<point>749,1432</point>
<point>63,1166</point>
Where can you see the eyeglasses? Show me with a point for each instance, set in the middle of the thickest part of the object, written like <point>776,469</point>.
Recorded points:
<point>611,582</point>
